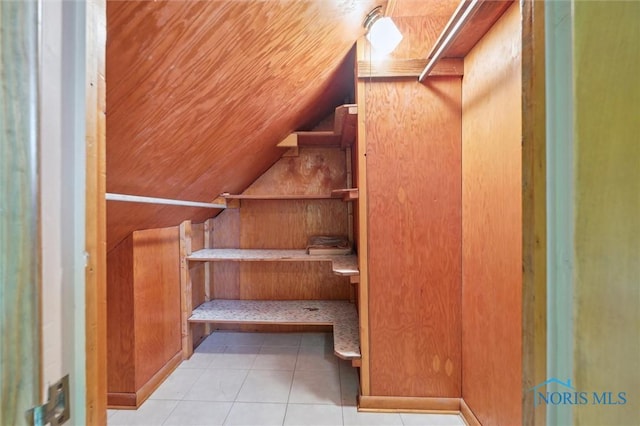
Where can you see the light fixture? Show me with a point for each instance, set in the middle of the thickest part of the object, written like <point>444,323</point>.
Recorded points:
<point>382,33</point>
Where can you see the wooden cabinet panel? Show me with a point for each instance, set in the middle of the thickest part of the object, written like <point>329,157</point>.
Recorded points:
<point>414,233</point>
<point>143,303</point>
<point>120,313</point>
<point>492,225</point>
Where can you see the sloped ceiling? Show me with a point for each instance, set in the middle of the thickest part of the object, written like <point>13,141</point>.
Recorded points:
<point>199,93</point>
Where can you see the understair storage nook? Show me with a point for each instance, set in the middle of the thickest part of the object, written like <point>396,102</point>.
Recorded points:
<point>398,222</point>
<point>250,265</point>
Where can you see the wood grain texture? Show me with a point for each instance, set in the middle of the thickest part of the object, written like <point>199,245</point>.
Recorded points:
<point>95,215</point>
<point>534,208</point>
<point>278,224</point>
<point>288,224</point>
<point>414,232</point>
<point>402,68</point>
<point>143,311</point>
<point>186,305</point>
<point>208,273</point>
<point>157,300</point>
<point>480,20</point>
<point>409,404</point>
<point>184,72</point>
<point>284,224</point>
<point>315,171</point>
<point>413,8</point>
<point>359,166</point>
<point>121,364</point>
<point>226,275</point>
<point>492,225</point>
<point>467,414</point>
<point>20,328</point>
<point>197,276</point>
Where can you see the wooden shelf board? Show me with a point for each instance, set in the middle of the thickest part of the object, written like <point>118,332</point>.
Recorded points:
<point>319,138</point>
<point>343,265</point>
<point>343,134</point>
<point>340,314</point>
<point>408,68</point>
<point>349,194</point>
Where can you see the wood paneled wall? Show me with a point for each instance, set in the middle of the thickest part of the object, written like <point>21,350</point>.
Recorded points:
<point>412,136</point>
<point>120,316</point>
<point>219,83</point>
<point>413,183</point>
<point>284,224</point>
<point>143,327</point>
<point>492,225</point>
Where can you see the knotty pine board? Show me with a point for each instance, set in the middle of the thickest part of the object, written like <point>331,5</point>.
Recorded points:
<point>414,236</point>
<point>492,225</point>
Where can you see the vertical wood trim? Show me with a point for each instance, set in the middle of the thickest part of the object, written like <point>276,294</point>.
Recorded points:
<point>349,163</point>
<point>363,287</point>
<point>534,251</point>
<point>350,233</point>
<point>20,328</point>
<point>96,271</point>
<point>208,243</point>
<point>185,289</point>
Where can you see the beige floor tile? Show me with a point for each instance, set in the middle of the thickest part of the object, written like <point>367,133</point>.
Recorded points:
<point>217,385</point>
<point>198,413</point>
<point>313,415</point>
<point>266,386</point>
<point>315,387</point>
<point>256,413</point>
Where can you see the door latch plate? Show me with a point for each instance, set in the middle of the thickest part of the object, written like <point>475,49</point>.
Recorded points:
<point>56,410</point>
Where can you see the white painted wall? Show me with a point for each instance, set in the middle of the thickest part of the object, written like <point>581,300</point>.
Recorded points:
<point>62,196</point>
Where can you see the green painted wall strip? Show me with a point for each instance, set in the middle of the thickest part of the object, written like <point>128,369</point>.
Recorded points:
<point>19,266</point>
<point>560,210</point>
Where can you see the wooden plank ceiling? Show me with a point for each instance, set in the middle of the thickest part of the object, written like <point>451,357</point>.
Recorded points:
<point>200,92</point>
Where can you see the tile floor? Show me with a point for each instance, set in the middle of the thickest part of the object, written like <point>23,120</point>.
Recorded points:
<point>259,379</point>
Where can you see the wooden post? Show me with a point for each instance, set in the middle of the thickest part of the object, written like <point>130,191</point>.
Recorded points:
<point>185,289</point>
<point>534,243</point>
<point>208,272</point>
<point>96,215</point>
<point>363,287</point>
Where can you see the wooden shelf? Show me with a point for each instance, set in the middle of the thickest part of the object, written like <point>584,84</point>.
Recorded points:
<point>468,24</point>
<point>342,135</point>
<point>230,200</point>
<point>343,265</point>
<point>340,314</point>
<point>350,194</point>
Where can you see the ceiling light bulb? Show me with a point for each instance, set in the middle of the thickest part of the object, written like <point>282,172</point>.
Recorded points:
<point>383,35</point>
